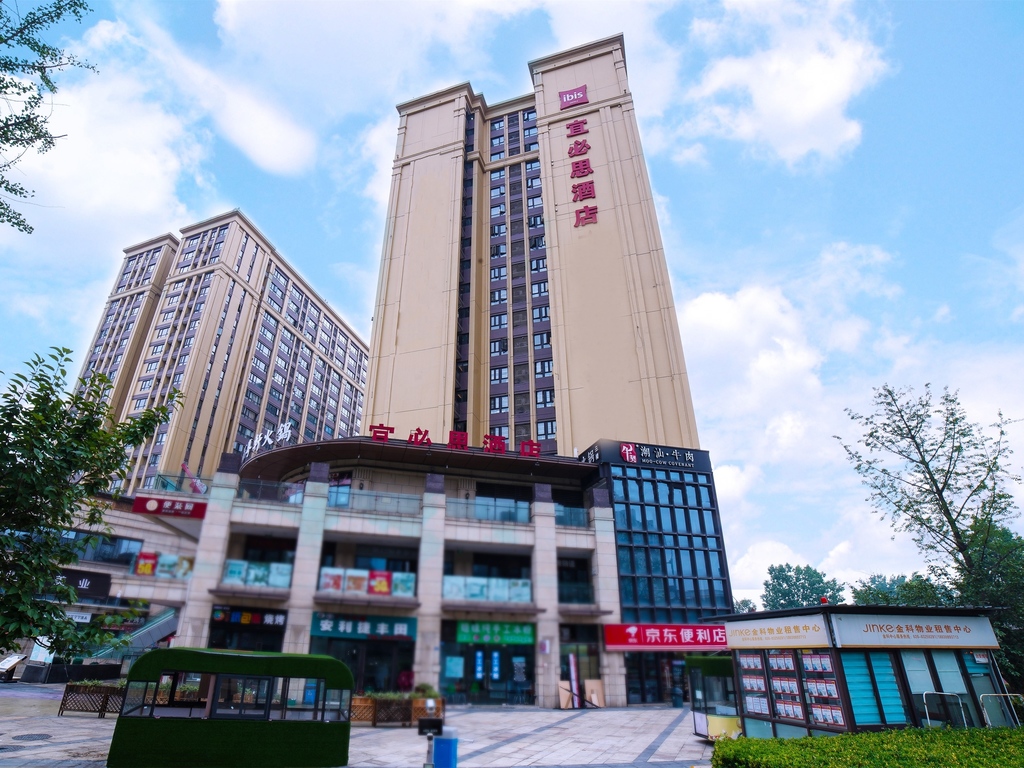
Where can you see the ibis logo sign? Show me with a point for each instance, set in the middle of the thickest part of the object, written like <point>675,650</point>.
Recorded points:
<point>573,97</point>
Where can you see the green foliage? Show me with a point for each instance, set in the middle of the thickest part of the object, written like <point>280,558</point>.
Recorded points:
<point>920,748</point>
<point>27,66</point>
<point>58,452</point>
<point>941,478</point>
<point>918,590</point>
<point>425,691</point>
<point>798,586</point>
<point>746,605</point>
<point>117,683</point>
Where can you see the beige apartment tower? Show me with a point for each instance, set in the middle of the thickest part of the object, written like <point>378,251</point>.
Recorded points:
<point>220,316</point>
<point>523,288</point>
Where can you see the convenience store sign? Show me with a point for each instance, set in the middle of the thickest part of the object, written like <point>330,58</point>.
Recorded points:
<point>790,632</point>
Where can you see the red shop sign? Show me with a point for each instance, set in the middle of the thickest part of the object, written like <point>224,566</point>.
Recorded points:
<point>148,505</point>
<point>665,637</point>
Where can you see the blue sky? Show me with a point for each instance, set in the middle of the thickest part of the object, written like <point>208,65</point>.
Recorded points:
<point>840,190</point>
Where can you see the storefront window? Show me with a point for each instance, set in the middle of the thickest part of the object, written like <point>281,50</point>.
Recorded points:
<point>650,677</point>
<point>379,650</point>
<point>485,662</point>
<point>580,640</point>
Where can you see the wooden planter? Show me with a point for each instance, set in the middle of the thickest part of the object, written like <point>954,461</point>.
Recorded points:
<point>91,698</point>
<point>392,711</point>
<point>383,711</point>
<point>362,709</point>
<point>419,708</point>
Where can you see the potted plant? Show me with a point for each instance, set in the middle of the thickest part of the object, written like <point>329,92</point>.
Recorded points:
<point>420,694</point>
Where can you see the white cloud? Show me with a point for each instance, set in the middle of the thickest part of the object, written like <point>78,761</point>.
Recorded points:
<point>789,89</point>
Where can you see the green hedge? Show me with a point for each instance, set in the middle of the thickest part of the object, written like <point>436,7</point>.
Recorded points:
<point>916,748</point>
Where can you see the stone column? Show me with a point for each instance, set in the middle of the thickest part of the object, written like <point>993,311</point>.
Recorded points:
<point>211,551</point>
<point>605,569</point>
<point>306,572</point>
<point>545,595</point>
<point>427,668</point>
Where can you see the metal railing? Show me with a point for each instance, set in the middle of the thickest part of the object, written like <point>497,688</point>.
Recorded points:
<point>275,493</point>
<point>574,517</point>
<point>491,510</point>
<point>181,484</point>
<point>927,714</point>
<point>374,501</point>
<point>575,593</point>
<point>1006,707</point>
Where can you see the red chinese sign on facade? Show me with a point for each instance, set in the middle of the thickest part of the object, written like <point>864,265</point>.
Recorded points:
<point>665,637</point>
<point>147,505</point>
<point>584,190</point>
<point>457,441</point>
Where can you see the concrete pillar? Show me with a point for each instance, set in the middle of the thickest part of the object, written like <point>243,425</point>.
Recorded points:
<point>211,551</point>
<point>545,594</point>
<point>427,667</point>
<point>306,572</point>
<point>605,569</point>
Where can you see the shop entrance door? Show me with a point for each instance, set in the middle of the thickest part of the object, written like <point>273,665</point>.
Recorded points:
<point>648,678</point>
<point>376,666</point>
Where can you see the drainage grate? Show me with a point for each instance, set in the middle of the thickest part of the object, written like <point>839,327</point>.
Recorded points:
<point>32,737</point>
<point>11,747</point>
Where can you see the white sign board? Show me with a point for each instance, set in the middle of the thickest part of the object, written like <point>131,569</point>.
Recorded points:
<point>79,618</point>
<point>937,631</point>
<point>787,632</point>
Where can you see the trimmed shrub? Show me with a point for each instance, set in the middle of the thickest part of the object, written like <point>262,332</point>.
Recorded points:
<point>920,748</point>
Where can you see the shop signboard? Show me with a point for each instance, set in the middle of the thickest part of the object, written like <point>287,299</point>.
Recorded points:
<point>664,637</point>
<point>363,627</point>
<point>232,614</point>
<point>494,633</point>
<point>79,617</point>
<point>874,631</point>
<point>149,505</point>
<point>788,632</point>
<point>379,583</point>
<point>454,667</point>
<point>479,665</point>
<point>495,665</point>
<point>87,584</point>
<point>646,455</point>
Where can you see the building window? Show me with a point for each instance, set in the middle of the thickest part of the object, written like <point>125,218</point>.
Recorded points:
<point>499,404</point>
<point>533,165</point>
<point>536,243</point>
<point>545,398</point>
<point>545,430</point>
<point>529,114</point>
<point>535,221</point>
<point>498,210</point>
<point>497,230</point>
<point>499,347</point>
<point>499,375</point>
<point>500,430</point>
<point>498,191</point>
<point>139,404</point>
<point>527,132</point>
<point>498,273</point>
<point>540,314</point>
<point>533,202</point>
<point>539,265</point>
<point>147,384</point>
<point>499,296</point>
<point>150,367</point>
<point>533,146</point>
<point>543,368</point>
<point>498,175</point>
<point>542,340</point>
<point>533,182</point>
<point>539,289</point>
<point>498,250</point>
<point>497,156</point>
<point>499,321</point>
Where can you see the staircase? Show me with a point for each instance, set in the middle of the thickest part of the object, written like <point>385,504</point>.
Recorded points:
<point>145,637</point>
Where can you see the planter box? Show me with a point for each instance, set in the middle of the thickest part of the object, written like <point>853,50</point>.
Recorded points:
<point>362,709</point>
<point>91,698</point>
<point>392,711</point>
<point>382,711</point>
<point>419,708</point>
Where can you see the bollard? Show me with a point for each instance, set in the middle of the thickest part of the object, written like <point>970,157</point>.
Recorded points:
<point>430,751</point>
<point>677,697</point>
<point>446,749</point>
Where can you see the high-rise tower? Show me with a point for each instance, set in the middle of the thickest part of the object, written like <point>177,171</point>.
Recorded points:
<point>523,288</point>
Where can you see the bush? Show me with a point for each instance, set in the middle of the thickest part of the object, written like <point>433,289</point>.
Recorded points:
<point>425,691</point>
<point>117,683</point>
<point>920,748</point>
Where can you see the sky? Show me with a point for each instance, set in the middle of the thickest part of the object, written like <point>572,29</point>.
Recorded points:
<point>840,188</point>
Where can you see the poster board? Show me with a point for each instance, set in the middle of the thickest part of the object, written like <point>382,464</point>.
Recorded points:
<point>564,695</point>
<point>594,692</point>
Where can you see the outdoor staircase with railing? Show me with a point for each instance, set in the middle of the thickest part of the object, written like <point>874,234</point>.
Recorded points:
<point>145,637</point>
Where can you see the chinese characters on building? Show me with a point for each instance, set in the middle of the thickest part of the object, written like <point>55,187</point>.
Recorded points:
<point>457,441</point>
<point>584,188</point>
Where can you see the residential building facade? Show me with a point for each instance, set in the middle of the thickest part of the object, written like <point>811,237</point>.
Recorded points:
<point>221,317</point>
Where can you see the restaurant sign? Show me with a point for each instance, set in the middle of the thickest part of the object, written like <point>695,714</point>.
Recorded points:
<point>149,505</point>
<point>664,637</point>
<point>494,633</point>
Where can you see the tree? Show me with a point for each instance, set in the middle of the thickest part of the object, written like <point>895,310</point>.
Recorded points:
<point>59,452</point>
<point>943,479</point>
<point>790,586</point>
<point>746,605</point>
<point>27,67</point>
<point>900,590</point>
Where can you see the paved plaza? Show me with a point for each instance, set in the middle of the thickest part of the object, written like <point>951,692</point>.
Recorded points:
<point>32,736</point>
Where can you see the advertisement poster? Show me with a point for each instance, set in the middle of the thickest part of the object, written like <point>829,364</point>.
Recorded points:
<point>185,567</point>
<point>519,591</point>
<point>497,590</point>
<point>479,665</point>
<point>356,580</point>
<point>476,588</point>
<point>234,572</point>
<point>495,665</point>
<point>332,579</point>
<point>166,565</point>
<point>454,588</point>
<point>145,563</point>
<point>403,584</point>
<point>257,575</point>
<point>454,667</point>
<point>379,583</point>
<point>280,575</point>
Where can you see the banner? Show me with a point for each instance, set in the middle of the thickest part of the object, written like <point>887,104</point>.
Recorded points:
<point>664,637</point>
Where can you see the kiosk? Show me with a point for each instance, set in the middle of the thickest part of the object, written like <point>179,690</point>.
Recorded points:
<point>833,669</point>
<point>713,697</point>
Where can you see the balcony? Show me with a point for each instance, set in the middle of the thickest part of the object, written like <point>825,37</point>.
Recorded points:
<point>269,492</point>
<point>356,586</point>
<point>344,497</point>
<point>574,517</point>
<point>478,594</point>
<point>489,510</point>
<point>182,484</point>
<point>577,599</point>
<point>242,578</point>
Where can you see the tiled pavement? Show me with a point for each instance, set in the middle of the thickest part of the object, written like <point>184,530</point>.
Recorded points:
<point>501,737</point>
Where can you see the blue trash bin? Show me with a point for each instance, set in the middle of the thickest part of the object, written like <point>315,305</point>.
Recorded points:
<point>446,749</point>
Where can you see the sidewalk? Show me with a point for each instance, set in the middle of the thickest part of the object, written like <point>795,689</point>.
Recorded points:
<point>32,736</point>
